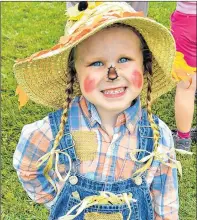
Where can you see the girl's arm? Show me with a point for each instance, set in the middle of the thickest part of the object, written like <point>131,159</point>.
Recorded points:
<point>164,187</point>
<point>34,142</point>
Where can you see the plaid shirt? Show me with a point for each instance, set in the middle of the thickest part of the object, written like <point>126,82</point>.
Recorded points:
<point>111,163</point>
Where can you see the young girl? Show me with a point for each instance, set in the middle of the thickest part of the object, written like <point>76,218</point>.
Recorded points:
<point>101,156</point>
<point>183,27</point>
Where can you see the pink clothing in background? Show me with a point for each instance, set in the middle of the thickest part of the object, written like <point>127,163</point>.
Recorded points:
<point>183,28</point>
<point>186,7</point>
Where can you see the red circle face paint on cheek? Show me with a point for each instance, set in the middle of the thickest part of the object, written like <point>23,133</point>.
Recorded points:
<point>136,79</point>
<point>89,84</point>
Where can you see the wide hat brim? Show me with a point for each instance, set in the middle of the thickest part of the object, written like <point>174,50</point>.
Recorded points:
<point>43,76</point>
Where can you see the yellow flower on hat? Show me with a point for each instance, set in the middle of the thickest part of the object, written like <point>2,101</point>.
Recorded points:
<point>74,14</point>
<point>181,70</point>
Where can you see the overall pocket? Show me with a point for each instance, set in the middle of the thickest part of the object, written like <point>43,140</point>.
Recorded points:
<point>103,212</point>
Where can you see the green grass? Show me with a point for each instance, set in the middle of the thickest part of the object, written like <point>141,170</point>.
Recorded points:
<point>28,27</point>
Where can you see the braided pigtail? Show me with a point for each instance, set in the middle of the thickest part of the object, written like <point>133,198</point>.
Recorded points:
<point>148,72</point>
<point>69,92</point>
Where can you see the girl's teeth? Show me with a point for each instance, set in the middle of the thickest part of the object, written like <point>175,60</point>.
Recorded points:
<point>115,91</point>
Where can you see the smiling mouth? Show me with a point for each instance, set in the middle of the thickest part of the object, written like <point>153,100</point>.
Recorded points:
<point>114,92</point>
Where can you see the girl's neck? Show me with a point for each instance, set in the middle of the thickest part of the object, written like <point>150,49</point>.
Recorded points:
<point>108,121</point>
<point>109,118</point>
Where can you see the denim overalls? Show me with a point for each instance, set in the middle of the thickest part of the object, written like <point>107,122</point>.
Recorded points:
<point>141,208</point>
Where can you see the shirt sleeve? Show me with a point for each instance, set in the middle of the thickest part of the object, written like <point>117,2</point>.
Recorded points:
<point>35,141</point>
<point>164,187</point>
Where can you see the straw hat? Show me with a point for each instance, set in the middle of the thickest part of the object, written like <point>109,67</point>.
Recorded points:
<point>43,76</point>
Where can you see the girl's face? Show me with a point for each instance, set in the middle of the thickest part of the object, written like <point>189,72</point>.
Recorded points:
<point>117,47</point>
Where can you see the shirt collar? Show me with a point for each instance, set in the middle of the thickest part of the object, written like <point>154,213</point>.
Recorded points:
<point>129,117</point>
<point>90,111</point>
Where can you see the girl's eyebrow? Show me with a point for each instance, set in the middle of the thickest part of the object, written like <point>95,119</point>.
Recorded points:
<point>98,58</point>
<point>93,59</point>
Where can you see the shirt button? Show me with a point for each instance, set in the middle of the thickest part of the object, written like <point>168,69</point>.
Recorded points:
<point>138,180</point>
<point>73,180</point>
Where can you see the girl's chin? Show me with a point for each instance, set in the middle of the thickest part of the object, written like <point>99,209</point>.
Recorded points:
<point>116,108</point>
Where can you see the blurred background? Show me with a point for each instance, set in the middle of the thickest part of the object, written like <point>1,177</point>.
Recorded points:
<point>28,27</point>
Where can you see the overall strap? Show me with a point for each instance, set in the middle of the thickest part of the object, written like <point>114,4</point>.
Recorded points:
<point>66,143</point>
<point>145,134</point>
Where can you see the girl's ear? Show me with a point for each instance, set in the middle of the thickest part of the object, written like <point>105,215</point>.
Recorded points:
<point>83,5</point>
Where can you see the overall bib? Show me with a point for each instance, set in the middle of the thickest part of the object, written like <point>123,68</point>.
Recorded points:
<point>141,205</point>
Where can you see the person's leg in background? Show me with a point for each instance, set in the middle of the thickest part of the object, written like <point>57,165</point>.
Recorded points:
<point>184,111</point>
<point>183,28</point>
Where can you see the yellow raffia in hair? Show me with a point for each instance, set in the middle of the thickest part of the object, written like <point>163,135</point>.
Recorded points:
<point>155,133</point>
<point>54,153</point>
<point>162,157</point>
<point>149,158</point>
<point>184,152</point>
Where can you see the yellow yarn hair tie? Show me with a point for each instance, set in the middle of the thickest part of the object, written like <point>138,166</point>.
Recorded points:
<point>184,152</point>
<point>50,156</point>
<point>162,157</point>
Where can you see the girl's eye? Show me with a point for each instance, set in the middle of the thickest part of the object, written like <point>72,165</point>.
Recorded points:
<point>123,60</point>
<point>98,63</point>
